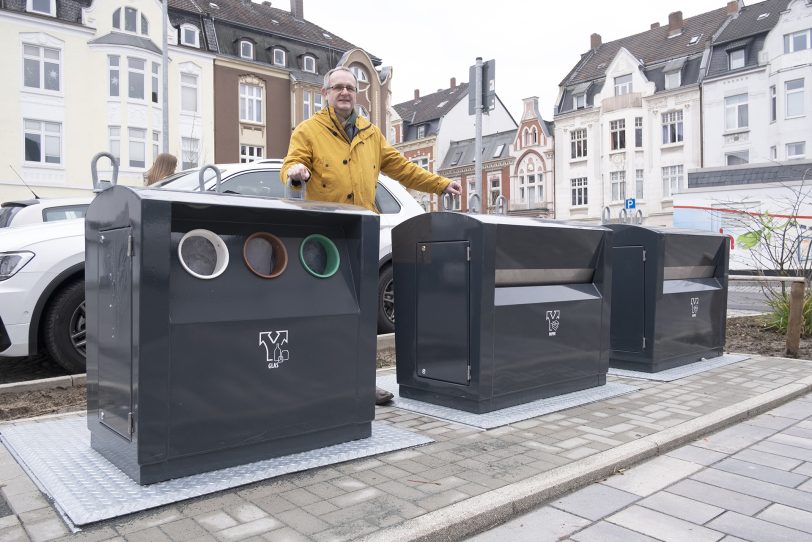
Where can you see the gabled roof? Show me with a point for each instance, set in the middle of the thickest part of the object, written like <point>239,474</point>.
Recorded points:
<point>750,22</point>
<point>265,18</point>
<point>650,46</point>
<point>431,106</point>
<point>461,153</point>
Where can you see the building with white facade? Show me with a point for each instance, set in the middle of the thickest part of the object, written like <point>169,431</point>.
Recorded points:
<point>86,76</point>
<point>628,120</point>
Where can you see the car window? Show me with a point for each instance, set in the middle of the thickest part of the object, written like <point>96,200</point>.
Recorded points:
<point>188,180</point>
<point>264,183</point>
<point>7,213</point>
<point>385,201</point>
<point>66,212</point>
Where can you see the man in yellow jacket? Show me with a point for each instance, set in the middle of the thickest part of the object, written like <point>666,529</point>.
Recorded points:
<point>339,155</point>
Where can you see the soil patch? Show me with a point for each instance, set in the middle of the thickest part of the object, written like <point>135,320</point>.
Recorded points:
<point>749,335</point>
<point>37,403</point>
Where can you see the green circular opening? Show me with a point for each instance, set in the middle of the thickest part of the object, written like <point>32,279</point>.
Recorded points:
<point>319,256</point>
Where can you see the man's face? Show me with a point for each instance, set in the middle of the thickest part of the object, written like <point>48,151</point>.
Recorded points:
<point>343,100</point>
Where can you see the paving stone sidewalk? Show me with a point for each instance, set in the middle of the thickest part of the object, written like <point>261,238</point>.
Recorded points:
<point>752,481</point>
<point>464,481</point>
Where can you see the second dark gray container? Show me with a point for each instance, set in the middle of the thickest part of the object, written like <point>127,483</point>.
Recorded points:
<point>496,311</point>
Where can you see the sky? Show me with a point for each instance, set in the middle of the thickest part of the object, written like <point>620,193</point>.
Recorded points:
<point>534,43</point>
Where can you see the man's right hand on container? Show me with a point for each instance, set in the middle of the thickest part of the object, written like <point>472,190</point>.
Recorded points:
<point>298,173</point>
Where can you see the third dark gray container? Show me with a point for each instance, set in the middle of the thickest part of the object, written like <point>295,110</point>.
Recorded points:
<point>669,297</point>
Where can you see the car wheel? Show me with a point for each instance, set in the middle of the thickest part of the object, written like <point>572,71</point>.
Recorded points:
<point>64,330</point>
<point>386,301</point>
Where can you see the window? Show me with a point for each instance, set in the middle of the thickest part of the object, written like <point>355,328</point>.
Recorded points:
<point>774,152</point>
<point>794,97</point>
<point>534,136</point>
<point>773,104</point>
<point>42,67</point>
<point>386,202</point>
<point>673,79</point>
<point>526,137</point>
<point>578,143</point>
<point>362,111</point>
<point>456,158</point>
<point>47,7</point>
<point>280,57</point>
<point>618,134</point>
<point>309,64</point>
<point>247,49</point>
<point>188,92</point>
<point>737,158</point>
<point>114,133</point>
<point>43,142</point>
<point>672,180</point>
<point>735,59</point>
<point>65,212</point>
<point>249,153</point>
<point>156,68</point>
<point>156,144</point>
<point>796,150</point>
<point>623,85</point>
<point>144,25</point>
<point>421,131</point>
<point>638,132</point>
<point>250,103</point>
<point>618,181</point>
<point>137,147</point>
<point>359,74</point>
<point>672,127</point>
<point>317,102</point>
<point>306,105</point>
<point>638,183</point>
<point>189,35</point>
<point>797,41</point>
<point>578,190</point>
<point>112,62</point>
<point>498,152</point>
<point>131,20</point>
<point>579,101</point>
<point>190,152</point>
<point>496,188</point>
<point>422,161</point>
<point>135,77</point>
<point>736,112</point>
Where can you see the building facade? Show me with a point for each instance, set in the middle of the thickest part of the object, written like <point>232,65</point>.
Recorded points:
<point>532,178</point>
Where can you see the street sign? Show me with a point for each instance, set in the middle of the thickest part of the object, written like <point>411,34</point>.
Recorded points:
<point>488,87</point>
<point>630,203</point>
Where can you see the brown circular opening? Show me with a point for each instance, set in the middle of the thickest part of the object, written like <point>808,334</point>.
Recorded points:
<point>265,255</point>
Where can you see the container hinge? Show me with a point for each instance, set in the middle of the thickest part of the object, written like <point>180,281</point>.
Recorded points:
<point>469,373</point>
<point>644,255</point>
<point>129,246</point>
<point>644,343</point>
<point>468,253</point>
<point>131,423</point>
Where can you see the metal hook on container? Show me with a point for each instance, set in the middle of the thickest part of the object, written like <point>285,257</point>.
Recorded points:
<point>606,215</point>
<point>471,208</point>
<point>623,215</point>
<point>501,204</point>
<point>447,202</point>
<point>202,179</point>
<point>98,185</point>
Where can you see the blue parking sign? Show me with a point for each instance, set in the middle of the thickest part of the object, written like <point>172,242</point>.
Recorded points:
<point>630,203</point>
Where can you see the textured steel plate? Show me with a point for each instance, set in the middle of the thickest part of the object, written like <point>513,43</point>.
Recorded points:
<point>88,488</point>
<point>681,372</point>
<point>517,413</point>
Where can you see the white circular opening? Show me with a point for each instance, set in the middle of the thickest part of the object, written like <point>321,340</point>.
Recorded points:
<point>203,254</point>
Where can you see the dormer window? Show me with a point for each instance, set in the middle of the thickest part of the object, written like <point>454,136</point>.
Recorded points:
<point>673,79</point>
<point>189,35</point>
<point>280,57</point>
<point>579,101</point>
<point>735,59</point>
<point>421,131</point>
<point>360,74</point>
<point>498,152</point>
<point>131,21</point>
<point>46,7</point>
<point>246,49</point>
<point>623,85</point>
<point>309,64</point>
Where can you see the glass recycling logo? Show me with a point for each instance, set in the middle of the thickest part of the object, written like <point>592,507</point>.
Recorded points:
<point>273,341</point>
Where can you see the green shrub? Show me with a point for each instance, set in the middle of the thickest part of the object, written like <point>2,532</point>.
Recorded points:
<point>778,319</point>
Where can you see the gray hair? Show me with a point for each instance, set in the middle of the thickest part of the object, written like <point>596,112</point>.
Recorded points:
<point>337,69</point>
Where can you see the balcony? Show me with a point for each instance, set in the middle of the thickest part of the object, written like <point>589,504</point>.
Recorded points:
<point>626,101</point>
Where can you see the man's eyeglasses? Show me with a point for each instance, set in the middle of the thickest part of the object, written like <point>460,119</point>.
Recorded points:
<point>340,88</point>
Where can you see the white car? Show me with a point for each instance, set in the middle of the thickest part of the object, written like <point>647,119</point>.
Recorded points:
<point>42,266</point>
<point>35,211</point>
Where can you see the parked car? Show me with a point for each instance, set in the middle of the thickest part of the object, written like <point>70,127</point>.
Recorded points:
<point>35,211</point>
<point>42,266</point>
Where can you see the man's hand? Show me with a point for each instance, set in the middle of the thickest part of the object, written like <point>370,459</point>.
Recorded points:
<point>454,188</point>
<point>298,173</point>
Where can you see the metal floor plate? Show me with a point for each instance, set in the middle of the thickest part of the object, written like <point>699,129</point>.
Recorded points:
<point>498,418</point>
<point>681,372</point>
<point>87,488</point>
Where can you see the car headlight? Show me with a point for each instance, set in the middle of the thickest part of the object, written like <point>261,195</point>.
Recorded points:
<point>11,262</point>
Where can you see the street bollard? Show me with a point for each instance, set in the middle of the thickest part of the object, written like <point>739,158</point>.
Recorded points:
<point>795,324</point>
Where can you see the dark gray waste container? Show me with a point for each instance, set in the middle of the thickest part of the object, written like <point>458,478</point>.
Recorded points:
<point>496,311</point>
<point>669,293</point>
<point>226,329</point>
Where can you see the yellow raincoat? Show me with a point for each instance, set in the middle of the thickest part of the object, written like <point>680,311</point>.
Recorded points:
<point>347,172</point>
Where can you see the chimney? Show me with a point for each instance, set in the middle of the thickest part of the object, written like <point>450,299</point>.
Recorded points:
<point>655,25</point>
<point>266,3</point>
<point>594,41</point>
<point>733,7</point>
<point>453,83</point>
<point>674,23</point>
<point>416,93</point>
<point>297,9</point>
